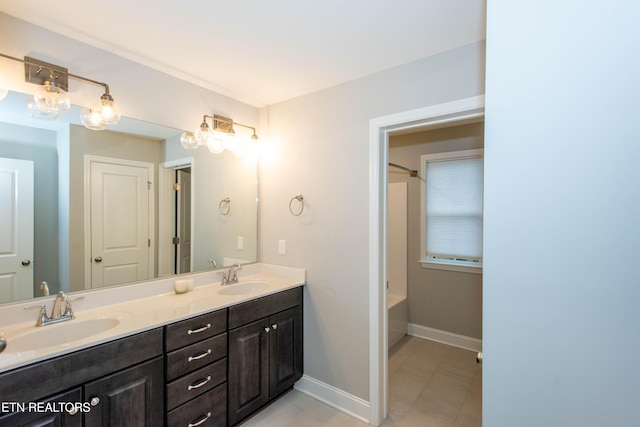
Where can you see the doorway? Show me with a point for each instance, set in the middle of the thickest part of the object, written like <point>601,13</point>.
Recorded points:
<point>380,128</point>
<point>176,217</point>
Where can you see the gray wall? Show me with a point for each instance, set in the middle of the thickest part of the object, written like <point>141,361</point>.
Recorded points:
<point>321,146</point>
<point>562,203</point>
<point>39,146</point>
<point>445,300</point>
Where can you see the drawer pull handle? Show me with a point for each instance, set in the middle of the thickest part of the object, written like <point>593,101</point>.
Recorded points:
<point>274,326</point>
<point>200,356</point>
<point>199,383</point>
<point>200,421</point>
<point>197,331</point>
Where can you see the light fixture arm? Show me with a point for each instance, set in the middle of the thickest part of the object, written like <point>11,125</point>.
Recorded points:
<point>228,122</point>
<point>40,65</point>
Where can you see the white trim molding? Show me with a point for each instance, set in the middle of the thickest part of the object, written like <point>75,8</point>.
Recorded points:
<point>334,397</point>
<point>445,337</point>
<point>379,129</point>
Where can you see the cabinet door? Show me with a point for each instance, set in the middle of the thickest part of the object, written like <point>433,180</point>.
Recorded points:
<point>248,369</point>
<point>285,350</point>
<point>48,419</point>
<point>133,397</point>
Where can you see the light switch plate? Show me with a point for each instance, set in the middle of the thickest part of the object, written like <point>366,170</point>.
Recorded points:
<point>240,243</point>
<point>282,247</point>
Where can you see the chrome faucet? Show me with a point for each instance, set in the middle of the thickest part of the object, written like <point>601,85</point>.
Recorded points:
<point>57,314</point>
<point>231,276</point>
<point>61,298</point>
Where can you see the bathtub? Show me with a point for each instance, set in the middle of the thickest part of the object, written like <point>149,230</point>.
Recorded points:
<point>397,318</point>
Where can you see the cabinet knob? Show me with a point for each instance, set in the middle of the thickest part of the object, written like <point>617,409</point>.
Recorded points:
<point>73,411</point>
<point>94,401</point>
<point>274,326</point>
<point>267,329</point>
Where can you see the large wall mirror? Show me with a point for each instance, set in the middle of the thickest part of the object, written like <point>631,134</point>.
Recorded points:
<point>83,209</point>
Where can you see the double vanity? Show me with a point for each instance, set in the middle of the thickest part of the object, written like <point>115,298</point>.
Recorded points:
<point>145,355</point>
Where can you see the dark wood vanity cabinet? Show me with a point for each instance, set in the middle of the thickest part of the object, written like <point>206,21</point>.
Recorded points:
<point>196,371</point>
<point>211,370</point>
<point>119,383</point>
<point>265,351</point>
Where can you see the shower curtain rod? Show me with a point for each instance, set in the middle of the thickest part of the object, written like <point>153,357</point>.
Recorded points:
<point>413,173</point>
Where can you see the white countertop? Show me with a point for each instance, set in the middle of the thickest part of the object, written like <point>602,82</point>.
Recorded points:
<point>138,307</point>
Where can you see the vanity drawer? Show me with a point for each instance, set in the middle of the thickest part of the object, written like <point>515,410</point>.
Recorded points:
<point>253,310</point>
<point>187,359</point>
<point>195,329</point>
<point>196,383</point>
<point>207,410</point>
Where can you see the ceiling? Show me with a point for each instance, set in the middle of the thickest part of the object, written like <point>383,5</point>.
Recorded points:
<point>263,51</point>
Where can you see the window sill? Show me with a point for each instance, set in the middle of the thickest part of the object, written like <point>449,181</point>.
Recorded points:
<point>450,267</point>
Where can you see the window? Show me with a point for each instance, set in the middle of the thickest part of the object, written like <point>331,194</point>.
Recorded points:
<point>452,210</point>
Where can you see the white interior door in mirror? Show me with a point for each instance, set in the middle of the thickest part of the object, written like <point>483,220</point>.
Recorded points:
<point>121,204</point>
<point>16,229</point>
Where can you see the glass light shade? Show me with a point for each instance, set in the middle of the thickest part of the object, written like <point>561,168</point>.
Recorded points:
<point>215,145</point>
<point>50,98</point>
<point>108,110</point>
<point>38,113</point>
<point>91,119</point>
<point>4,90</point>
<point>229,140</point>
<point>204,134</point>
<point>188,141</point>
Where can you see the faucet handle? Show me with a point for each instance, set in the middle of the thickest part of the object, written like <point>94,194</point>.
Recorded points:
<point>68,311</point>
<point>42,316</point>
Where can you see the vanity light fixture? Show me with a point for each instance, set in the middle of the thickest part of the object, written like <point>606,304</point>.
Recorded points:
<point>51,98</point>
<point>218,137</point>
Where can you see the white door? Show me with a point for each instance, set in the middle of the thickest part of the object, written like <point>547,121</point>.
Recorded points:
<point>120,223</point>
<point>16,229</point>
<point>184,222</point>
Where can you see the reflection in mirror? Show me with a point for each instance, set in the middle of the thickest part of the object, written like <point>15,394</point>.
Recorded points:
<point>116,206</point>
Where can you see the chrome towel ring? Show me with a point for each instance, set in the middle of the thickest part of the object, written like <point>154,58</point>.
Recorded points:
<point>292,209</point>
<point>225,206</point>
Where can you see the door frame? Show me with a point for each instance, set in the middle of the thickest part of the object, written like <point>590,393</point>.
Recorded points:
<point>88,160</point>
<point>379,130</point>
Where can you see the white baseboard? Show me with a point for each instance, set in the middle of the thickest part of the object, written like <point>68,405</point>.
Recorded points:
<point>449,338</point>
<point>334,397</point>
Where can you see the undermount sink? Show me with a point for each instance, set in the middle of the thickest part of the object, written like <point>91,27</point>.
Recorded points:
<point>60,334</point>
<point>243,288</point>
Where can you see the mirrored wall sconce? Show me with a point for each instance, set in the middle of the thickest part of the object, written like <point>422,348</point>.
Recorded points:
<point>218,137</point>
<point>51,98</point>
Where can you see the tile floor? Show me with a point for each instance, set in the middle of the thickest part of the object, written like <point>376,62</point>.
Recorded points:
<point>430,384</point>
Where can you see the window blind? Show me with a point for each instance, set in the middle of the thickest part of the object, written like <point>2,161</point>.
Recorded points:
<point>454,208</point>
